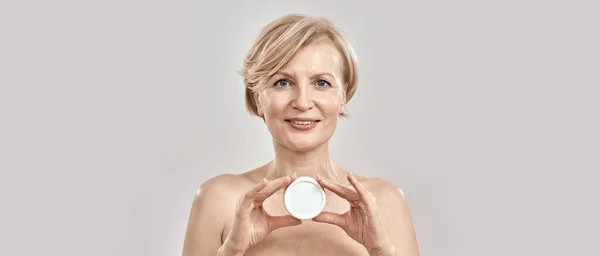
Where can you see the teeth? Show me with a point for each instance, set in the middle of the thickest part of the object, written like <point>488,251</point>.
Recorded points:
<point>302,122</point>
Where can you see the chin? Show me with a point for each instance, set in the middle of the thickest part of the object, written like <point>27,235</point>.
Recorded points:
<point>302,148</point>
<point>303,145</point>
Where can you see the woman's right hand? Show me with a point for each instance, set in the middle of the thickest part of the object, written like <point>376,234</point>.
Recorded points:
<point>252,223</point>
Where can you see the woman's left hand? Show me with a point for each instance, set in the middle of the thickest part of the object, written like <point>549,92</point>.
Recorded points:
<point>361,222</point>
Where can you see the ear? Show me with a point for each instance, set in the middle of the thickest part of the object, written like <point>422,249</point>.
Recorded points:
<point>258,106</point>
<point>343,102</point>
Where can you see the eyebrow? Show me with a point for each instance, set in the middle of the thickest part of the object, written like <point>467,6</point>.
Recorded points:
<point>283,73</point>
<point>324,74</point>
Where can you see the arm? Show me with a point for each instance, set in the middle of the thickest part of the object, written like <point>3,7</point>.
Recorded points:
<point>397,220</point>
<point>205,224</point>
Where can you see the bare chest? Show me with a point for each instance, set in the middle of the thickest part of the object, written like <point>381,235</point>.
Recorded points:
<point>311,238</point>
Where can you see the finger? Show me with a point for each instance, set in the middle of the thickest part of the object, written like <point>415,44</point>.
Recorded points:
<point>247,199</point>
<point>332,218</point>
<point>275,222</point>
<point>294,176</point>
<point>272,188</point>
<point>361,190</point>
<point>339,189</point>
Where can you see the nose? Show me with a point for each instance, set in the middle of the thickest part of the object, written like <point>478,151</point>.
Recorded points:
<point>302,100</point>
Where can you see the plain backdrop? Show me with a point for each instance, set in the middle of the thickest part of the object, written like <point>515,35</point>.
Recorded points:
<point>485,113</point>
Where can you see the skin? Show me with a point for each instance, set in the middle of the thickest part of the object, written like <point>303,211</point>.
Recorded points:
<point>243,214</point>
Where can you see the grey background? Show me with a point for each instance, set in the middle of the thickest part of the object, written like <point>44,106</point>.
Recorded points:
<point>485,113</point>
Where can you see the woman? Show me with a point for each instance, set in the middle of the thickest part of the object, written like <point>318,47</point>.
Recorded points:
<point>298,75</point>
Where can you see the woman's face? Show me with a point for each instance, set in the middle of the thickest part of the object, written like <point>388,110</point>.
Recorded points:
<point>302,101</point>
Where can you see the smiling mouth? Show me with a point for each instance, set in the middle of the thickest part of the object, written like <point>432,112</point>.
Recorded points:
<point>302,122</point>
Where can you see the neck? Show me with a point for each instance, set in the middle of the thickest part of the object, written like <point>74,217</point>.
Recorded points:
<point>309,163</point>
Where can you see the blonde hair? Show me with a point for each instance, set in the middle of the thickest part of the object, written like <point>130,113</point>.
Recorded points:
<point>279,41</point>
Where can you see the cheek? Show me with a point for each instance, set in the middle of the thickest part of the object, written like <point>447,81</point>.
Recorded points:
<point>274,104</point>
<point>329,102</point>
<point>274,110</point>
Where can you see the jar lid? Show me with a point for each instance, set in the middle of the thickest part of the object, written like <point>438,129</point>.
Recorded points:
<point>304,198</point>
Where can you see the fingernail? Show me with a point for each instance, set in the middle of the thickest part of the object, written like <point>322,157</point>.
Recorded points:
<point>319,177</point>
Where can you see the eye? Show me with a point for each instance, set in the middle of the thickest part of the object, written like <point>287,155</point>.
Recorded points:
<point>322,83</point>
<point>282,82</point>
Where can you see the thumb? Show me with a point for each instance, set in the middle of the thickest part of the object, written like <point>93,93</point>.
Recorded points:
<point>331,218</point>
<point>276,222</point>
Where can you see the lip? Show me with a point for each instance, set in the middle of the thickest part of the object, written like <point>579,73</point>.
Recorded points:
<point>303,127</point>
<point>302,119</point>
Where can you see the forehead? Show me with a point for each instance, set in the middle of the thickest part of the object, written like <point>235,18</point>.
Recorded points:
<point>313,58</point>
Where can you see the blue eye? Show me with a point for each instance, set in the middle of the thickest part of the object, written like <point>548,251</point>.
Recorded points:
<point>322,83</point>
<point>281,82</point>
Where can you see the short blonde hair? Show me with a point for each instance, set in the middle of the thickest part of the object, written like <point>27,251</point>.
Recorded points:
<point>279,41</point>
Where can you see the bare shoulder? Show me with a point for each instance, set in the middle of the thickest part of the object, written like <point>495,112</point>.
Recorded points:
<point>385,189</point>
<point>219,183</point>
<point>225,189</point>
<point>222,190</point>
<point>382,189</point>
<point>213,197</point>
